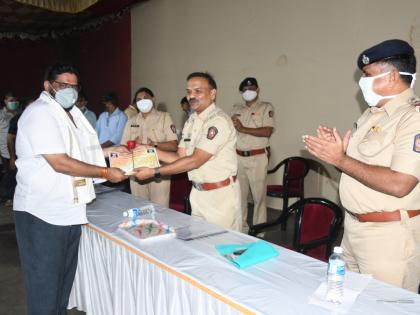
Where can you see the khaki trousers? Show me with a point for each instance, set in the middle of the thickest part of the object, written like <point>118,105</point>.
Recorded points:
<point>157,192</point>
<point>389,251</point>
<point>220,206</point>
<point>252,175</point>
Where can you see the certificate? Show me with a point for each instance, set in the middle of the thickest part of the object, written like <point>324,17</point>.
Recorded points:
<point>139,157</point>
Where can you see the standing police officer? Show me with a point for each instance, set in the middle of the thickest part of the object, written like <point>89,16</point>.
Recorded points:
<point>380,162</point>
<point>254,121</point>
<point>207,153</point>
<point>151,127</point>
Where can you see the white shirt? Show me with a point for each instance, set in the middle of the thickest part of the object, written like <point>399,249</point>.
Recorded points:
<point>40,190</point>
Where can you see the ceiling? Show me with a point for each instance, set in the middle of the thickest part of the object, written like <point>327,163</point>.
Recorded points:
<point>23,21</point>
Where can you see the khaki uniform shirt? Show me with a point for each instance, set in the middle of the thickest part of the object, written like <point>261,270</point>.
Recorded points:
<point>389,137</point>
<point>156,127</point>
<point>211,131</point>
<point>260,114</point>
<point>131,111</point>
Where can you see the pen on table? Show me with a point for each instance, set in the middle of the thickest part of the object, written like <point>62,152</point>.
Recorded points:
<point>403,301</point>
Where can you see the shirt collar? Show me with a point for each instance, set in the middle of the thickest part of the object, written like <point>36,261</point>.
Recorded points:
<point>205,113</point>
<point>405,98</point>
<point>115,112</point>
<point>152,113</point>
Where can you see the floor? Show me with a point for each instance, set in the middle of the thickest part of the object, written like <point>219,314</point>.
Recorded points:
<point>12,295</point>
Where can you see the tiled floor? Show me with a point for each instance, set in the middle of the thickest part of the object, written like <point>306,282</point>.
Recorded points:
<point>12,295</point>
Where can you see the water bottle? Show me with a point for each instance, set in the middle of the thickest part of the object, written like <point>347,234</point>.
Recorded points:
<point>131,213</point>
<point>335,276</point>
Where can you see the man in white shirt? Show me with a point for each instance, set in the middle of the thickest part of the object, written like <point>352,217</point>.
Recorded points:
<point>58,156</point>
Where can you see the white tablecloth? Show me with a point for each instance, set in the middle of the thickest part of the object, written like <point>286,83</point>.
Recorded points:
<point>118,274</point>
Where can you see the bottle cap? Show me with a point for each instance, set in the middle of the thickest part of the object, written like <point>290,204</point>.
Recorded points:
<point>338,250</point>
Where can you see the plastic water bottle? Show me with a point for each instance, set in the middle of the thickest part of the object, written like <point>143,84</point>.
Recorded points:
<point>335,276</point>
<point>131,213</point>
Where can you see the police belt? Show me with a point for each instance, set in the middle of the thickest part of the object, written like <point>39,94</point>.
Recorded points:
<point>252,152</point>
<point>382,216</point>
<point>211,186</point>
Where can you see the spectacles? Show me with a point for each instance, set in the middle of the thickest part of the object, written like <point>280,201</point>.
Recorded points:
<point>64,85</point>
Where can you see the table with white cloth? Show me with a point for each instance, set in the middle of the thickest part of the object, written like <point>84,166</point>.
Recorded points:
<point>118,274</point>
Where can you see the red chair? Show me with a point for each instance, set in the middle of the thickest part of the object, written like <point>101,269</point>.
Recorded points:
<point>295,170</point>
<point>317,224</point>
<point>179,198</point>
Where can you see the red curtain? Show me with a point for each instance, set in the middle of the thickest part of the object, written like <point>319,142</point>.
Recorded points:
<point>103,57</point>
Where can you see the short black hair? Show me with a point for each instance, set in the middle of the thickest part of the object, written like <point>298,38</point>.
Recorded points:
<point>204,75</point>
<point>112,98</point>
<point>184,100</point>
<point>403,64</point>
<point>58,68</point>
<point>10,94</point>
<point>145,90</point>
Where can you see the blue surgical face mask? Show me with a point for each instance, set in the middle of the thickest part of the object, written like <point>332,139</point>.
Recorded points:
<point>66,97</point>
<point>12,105</point>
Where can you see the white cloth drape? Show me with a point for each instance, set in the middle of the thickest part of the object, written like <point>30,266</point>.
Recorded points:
<point>119,274</point>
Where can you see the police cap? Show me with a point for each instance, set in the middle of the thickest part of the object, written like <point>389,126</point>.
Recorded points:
<point>248,82</point>
<point>393,48</point>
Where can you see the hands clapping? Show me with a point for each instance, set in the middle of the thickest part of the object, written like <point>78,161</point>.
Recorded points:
<point>328,145</point>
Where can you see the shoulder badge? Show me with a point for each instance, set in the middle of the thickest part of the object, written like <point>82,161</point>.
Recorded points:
<point>416,145</point>
<point>173,128</point>
<point>211,133</point>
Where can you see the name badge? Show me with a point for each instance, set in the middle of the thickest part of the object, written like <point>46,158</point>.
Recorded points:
<point>135,126</point>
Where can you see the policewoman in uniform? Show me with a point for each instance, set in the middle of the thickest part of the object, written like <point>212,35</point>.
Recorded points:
<point>380,161</point>
<point>254,122</point>
<point>207,152</point>
<point>154,128</point>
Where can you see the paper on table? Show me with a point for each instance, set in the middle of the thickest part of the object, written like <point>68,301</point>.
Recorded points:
<point>354,284</point>
<point>198,229</point>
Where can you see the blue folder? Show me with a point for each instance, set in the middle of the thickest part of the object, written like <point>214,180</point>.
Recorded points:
<point>246,255</point>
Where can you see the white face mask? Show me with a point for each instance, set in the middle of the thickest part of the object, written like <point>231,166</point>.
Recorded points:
<point>144,105</point>
<point>372,98</point>
<point>249,95</point>
<point>66,97</point>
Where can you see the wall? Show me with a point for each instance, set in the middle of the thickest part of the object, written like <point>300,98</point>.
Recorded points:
<point>103,56</point>
<point>302,52</point>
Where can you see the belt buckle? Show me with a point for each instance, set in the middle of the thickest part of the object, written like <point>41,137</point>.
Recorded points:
<point>198,186</point>
<point>247,153</point>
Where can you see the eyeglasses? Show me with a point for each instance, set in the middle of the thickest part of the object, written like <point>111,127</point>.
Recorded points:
<point>64,85</point>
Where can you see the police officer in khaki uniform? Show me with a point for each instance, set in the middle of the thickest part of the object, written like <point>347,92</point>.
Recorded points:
<point>207,153</point>
<point>154,128</point>
<point>254,121</point>
<point>380,161</point>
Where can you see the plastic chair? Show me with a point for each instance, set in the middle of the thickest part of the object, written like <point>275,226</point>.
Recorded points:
<point>317,225</point>
<point>179,198</point>
<point>295,170</point>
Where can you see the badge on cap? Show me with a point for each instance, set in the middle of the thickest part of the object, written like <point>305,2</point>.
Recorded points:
<point>271,113</point>
<point>416,146</point>
<point>211,133</point>
<point>365,59</point>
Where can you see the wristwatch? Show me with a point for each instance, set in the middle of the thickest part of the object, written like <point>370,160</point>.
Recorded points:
<point>157,172</point>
